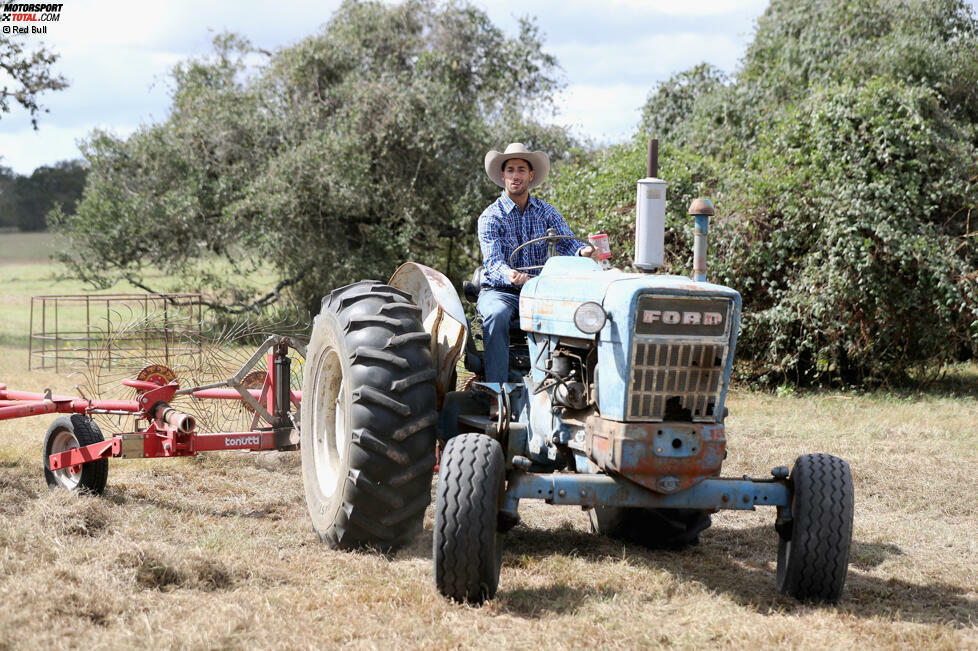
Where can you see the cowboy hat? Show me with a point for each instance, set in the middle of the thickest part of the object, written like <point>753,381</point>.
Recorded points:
<point>538,160</point>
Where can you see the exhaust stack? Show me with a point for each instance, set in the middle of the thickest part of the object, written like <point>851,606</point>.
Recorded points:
<point>650,215</point>
<point>701,210</point>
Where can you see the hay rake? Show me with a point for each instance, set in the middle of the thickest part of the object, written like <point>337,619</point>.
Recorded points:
<point>76,454</point>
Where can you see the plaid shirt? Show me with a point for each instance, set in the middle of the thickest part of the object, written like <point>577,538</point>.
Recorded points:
<point>503,227</point>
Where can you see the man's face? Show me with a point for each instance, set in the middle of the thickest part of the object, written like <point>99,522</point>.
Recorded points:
<point>517,176</point>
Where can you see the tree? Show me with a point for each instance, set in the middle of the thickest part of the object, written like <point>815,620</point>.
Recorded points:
<point>334,159</point>
<point>31,75</point>
<point>25,201</point>
<point>843,160</point>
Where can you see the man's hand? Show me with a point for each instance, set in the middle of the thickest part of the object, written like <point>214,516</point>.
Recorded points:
<point>591,252</point>
<point>518,278</point>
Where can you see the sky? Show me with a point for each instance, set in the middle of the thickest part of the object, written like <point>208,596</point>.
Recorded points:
<point>116,56</point>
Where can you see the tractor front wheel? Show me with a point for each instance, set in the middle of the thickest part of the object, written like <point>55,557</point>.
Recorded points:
<point>813,552</point>
<point>467,543</point>
<point>368,419</point>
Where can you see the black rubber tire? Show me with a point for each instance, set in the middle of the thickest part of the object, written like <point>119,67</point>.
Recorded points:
<point>812,565</point>
<point>653,528</point>
<point>75,431</point>
<point>467,544</point>
<point>368,419</point>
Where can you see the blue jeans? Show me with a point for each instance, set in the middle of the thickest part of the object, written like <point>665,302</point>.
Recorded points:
<point>499,310</point>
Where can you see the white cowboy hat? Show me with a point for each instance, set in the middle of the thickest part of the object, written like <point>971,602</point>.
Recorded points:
<point>538,160</point>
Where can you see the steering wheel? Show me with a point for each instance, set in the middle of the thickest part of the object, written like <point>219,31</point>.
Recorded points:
<point>551,237</point>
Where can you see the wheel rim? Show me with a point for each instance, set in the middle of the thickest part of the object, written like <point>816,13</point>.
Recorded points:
<point>331,435</point>
<point>68,477</point>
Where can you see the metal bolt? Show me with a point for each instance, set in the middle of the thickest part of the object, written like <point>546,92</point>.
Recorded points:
<point>725,498</point>
<point>562,493</point>
<point>746,499</point>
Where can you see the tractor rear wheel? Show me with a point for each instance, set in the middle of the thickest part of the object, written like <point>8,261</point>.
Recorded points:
<point>368,419</point>
<point>67,433</point>
<point>654,528</point>
<point>467,543</point>
<point>813,553</point>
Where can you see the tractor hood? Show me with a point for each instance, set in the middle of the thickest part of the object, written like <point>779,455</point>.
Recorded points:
<point>548,302</point>
<point>660,332</point>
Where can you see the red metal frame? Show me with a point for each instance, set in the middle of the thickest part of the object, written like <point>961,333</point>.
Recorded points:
<point>170,433</point>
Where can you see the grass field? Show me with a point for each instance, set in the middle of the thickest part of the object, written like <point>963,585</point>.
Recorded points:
<point>217,551</point>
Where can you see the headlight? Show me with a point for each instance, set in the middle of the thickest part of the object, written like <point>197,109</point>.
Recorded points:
<point>589,317</point>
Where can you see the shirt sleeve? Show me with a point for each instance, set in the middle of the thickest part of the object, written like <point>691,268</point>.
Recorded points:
<point>564,247</point>
<point>495,248</point>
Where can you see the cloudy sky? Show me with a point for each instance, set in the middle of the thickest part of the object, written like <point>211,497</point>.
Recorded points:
<point>116,55</point>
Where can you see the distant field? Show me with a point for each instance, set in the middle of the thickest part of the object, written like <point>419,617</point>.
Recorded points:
<point>20,248</point>
<point>217,551</point>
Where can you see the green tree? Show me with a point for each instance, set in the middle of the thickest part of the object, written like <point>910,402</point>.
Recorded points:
<point>31,75</point>
<point>843,160</point>
<point>334,159</point>
<point>25,201</point>
<point>7,177</point>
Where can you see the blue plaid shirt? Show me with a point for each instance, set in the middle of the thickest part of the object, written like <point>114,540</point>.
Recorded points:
<point>503,227</point>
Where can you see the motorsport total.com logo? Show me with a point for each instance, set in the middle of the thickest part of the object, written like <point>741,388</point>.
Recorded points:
<point>18,18</point>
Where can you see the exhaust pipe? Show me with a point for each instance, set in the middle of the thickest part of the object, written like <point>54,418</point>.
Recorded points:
<point>701,210</point>
<point>650,215</point>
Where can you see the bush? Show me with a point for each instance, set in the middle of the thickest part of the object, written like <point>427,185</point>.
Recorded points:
<point>842,162</point>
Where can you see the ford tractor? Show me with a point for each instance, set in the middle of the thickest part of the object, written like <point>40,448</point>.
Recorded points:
<point>615,403</point>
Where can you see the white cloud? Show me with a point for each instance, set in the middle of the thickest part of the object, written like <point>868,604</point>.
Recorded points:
<point>25,150</point>
<point>698,8</point>
<point>606,112</point>
<point>650,59</point>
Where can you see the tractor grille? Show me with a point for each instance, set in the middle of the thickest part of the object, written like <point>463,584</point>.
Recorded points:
<point>676,381</point>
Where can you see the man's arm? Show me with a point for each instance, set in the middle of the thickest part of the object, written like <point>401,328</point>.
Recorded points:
<point>495,248</point>
<point>557,222</point>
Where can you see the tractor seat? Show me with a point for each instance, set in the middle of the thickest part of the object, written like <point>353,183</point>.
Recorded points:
<point>471,288</point>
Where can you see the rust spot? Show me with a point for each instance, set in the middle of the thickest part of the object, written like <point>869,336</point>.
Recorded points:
<point>692,453</point>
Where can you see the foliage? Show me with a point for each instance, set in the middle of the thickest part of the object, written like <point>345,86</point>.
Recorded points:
<point>843,161</point>
<point>25,201</point>
<point>31,75</point>
<point>333,159</point>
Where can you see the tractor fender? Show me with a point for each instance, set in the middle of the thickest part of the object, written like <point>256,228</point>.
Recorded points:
<point>442,317</point>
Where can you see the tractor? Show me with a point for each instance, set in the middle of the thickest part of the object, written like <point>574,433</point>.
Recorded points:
<point>615,403</point>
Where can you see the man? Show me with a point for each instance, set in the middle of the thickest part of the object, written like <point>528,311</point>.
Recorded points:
<point>512,219</point>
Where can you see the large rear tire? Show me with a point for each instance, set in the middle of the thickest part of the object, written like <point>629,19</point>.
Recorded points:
<point>70,432</point>
<point>653,528</point>
<point>813,553</point>
<point>467,543</point>
<point>368,419</point>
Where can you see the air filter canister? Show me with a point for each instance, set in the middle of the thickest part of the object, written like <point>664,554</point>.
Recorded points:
<point>650,223</point>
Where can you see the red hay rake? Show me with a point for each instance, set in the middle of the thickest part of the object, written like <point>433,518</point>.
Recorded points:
<point>76,443</point>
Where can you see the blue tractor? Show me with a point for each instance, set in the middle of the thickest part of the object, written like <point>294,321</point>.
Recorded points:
<point>616,404</point>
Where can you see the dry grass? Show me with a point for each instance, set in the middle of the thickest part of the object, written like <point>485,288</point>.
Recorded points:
<point>217,551</point>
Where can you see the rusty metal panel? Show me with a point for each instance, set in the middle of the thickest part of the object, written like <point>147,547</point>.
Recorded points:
<point>662,457</point>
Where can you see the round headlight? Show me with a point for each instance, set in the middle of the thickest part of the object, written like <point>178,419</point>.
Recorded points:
<point>589,317</point>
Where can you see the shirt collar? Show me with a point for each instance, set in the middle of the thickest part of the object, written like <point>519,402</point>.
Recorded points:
<point>508,204</point>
